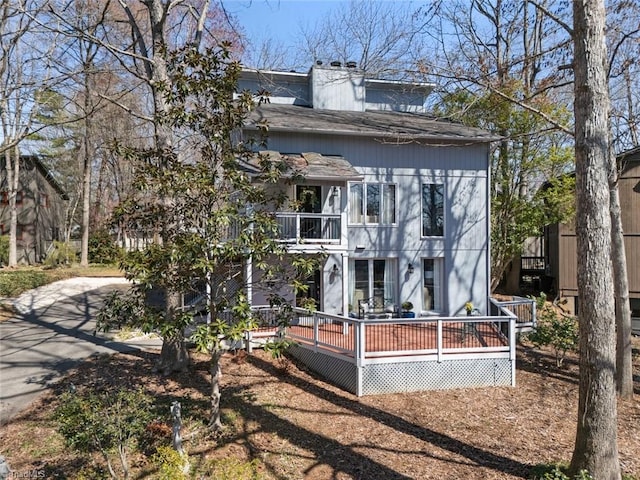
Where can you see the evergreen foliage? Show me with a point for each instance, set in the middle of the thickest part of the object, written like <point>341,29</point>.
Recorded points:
<point>108,422</point>
<point>212,201</point>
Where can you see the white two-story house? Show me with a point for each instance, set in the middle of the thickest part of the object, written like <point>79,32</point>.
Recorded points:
<point>396,199</point>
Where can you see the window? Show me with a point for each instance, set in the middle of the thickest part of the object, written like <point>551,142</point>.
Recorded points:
<point>5,198</point>
<point>432,284</point>
<point>373,282</point>
<point>432,210</point>
<point>372,203</point>
<point>635,307</point>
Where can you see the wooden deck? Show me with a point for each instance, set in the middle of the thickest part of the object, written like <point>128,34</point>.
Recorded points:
<point>373,356</point>
<point>399,338</point>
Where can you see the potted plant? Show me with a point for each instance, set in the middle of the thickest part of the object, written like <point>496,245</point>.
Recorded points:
<point>468,307</point>
<point>407,308</point>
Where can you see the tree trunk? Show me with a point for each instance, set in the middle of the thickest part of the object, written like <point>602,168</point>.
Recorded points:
<point>624,366</point>
<point>215,423</point>
<point>596,447</point>
<point>13,181</point>
<point>86,181</point>
<point>174,356</point>
<point>512,284</point>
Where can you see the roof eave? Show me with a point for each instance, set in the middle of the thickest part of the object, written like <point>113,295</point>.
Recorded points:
<point>404,137</point>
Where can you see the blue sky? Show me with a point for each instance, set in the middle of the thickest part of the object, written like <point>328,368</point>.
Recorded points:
<point>281,20</point>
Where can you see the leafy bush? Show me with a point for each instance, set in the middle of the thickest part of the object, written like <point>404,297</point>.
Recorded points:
<point>110,422</point>
<point>170,464</point>
<point>13,283</point>
<point>4,249</point>
<point>103,249</point>
<point>556,472</point>
<point>555,330</point>
<point>62,254</point>
<point>277,348</point>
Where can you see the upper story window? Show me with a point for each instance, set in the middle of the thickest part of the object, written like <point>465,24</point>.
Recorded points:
<point>432,210</point>
<point>372,203</point>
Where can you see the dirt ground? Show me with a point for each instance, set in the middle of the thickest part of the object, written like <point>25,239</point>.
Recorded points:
<point>297,426</point>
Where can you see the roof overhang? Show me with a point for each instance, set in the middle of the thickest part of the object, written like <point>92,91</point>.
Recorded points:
<point>309,165</point>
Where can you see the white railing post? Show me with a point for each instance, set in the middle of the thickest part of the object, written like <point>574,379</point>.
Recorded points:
<point>512,348</point>
<point>439,339</point>
<point>316,332</point>
<point>360,346</point>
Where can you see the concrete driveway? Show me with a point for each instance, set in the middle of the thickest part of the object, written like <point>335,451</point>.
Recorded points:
<point>53,332</point>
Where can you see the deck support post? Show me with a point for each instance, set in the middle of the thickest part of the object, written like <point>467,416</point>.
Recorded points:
<point>512,348</point>
<point>439,339</point>
<point>359,346</point>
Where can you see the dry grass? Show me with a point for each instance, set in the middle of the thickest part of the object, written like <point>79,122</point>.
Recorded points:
<point>296,426</point>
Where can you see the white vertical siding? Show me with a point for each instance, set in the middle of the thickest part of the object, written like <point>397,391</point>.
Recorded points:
<point>464,248</point>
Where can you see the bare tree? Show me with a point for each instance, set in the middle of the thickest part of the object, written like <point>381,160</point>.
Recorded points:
<point>622,36</point>
<point>23,73</point>
<point>491,61</point>
<point>596,448</point>
<point>383,38</point>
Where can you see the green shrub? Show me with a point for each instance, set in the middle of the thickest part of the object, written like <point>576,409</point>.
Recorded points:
<point>110,423</point>
<point>552,471</point>
<point>170,464</point>
<point>62,254</point>
<point>555,330</point>
<point>13,283</point>
<point>4,250</point>
<point>103,249</point>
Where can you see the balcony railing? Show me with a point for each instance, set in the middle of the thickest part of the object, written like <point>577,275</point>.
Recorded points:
<point>309,228</point>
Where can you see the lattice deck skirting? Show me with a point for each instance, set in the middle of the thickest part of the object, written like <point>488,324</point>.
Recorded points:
<point>407,376</point>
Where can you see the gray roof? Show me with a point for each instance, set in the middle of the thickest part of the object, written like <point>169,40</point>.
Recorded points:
<point>381,124</point>
<point>312,166</point>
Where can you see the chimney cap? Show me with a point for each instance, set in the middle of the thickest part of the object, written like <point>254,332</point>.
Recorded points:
<point>336,63</point>
<point>351,64</point>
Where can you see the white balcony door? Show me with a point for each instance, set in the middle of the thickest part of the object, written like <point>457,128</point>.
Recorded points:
<point>309,200</point>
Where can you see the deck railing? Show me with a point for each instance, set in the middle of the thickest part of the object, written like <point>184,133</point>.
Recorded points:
<point>532,264</point>
<point>309,227</point>
<point>523,308</point>
<point>363,340</point>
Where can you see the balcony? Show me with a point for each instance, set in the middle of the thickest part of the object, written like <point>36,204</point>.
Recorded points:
<point>310,228</point>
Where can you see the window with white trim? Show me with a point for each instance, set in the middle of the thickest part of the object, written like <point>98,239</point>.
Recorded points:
<point>432,284</point>
<point>372,203</point>
<point>432,210</point>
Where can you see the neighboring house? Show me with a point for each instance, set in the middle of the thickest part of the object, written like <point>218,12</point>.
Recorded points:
<point>561,251</point>
<point>40,203</point>
<point>398,200</point>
